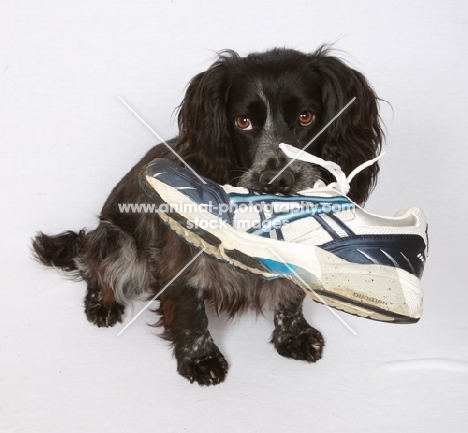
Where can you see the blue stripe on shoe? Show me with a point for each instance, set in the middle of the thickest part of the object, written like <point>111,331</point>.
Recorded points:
<point>333,234</point>
<point>288,217</point>
<point>276,267</point>
<point>341,224</point>
<point>245,199</point>
<point>279,235</point>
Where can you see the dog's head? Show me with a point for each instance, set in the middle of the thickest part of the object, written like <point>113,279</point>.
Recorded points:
<point>236,113</point>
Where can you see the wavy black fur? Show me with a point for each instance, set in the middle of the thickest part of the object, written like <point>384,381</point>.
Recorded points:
<point>231,120</point>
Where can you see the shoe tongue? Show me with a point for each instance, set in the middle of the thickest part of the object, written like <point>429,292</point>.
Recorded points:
<point>342,183</point>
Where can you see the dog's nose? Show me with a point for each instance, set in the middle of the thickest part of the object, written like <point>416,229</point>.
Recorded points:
<point>271,182</point>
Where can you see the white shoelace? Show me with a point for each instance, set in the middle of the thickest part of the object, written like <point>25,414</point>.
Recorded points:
<point>342,183</point>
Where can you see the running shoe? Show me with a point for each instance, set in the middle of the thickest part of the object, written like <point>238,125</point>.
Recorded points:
<point>341,255</point>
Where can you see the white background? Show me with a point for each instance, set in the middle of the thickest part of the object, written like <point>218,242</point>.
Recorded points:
<point>66,140</point>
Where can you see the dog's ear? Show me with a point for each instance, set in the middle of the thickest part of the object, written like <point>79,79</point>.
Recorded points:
<point>356,135</point>
<point>205,141</point>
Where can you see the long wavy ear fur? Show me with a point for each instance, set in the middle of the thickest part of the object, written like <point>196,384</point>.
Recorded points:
<point>356,136</point>
<point>205,141</point>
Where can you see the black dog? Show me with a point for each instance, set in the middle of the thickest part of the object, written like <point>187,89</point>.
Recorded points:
<point>231,121</point>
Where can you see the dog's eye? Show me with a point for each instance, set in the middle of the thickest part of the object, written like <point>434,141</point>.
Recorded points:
<point>243,122</point>
<point>306,118</point>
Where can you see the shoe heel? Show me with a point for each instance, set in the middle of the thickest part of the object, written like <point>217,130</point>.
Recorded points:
<point>382,293</point>
<point>371,289</point>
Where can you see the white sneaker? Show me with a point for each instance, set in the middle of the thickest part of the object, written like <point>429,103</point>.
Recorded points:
<point>341,255</point>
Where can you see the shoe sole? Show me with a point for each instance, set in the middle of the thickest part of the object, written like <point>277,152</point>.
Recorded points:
<point>373,291</point>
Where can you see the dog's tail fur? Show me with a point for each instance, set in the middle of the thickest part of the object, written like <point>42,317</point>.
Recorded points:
<point>60,250</point>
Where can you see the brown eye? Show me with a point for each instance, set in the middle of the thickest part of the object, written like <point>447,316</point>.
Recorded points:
<point>306,118</point>
<point>243,122</point>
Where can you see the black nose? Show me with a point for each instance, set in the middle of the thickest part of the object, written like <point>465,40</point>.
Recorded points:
<point>271,182</point>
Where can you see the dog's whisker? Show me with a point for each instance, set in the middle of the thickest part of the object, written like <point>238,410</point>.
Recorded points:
<point>234,179</point>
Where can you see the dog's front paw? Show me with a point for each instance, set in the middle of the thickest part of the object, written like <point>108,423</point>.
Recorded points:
<point>306,344</point>
<point>207,369</point>
<point>102,315</point>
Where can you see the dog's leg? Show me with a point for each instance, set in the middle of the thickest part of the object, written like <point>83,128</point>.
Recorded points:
<point>293,337</point>
<point>110,266</point>
<point>87,256</point>
<point>183,316</point>
<point>101,307</point>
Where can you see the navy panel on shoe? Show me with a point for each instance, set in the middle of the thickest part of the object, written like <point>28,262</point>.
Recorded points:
<point>401,251</point>
<point>202,194</point>
<point>152,195</point>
